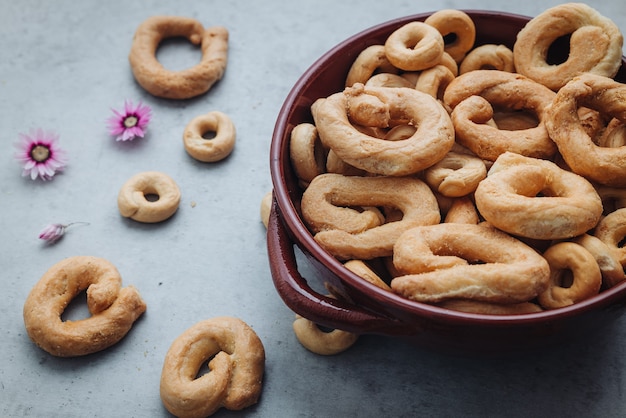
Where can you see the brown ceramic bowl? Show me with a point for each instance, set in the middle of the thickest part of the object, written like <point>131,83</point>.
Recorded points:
<point>369,309</point>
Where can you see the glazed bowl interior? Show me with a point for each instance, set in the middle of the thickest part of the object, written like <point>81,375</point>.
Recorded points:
<point>325,77</point>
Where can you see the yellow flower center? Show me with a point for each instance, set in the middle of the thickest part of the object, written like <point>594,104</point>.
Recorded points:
<point>130,121</point>
<point>40,153</point>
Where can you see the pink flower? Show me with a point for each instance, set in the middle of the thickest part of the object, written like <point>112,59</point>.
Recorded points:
<point>54,232</point>
<point>130,123</point>
<point>40,154</point>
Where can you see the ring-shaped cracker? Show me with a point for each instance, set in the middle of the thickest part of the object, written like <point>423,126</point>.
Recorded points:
<point>113,309</point>
<point>595,45</point>
<point>600,164</point>
<point>327,208</point>
<point>534,198</point>
<point>322,342</point>
<point>133,201</point>
<point>607,259</point>
<point>478,262</point>
<point>432,139</point>
<point>488,57</point>
<point>585,272</point>
<point>460,25</point>
<point>216,148</point>
<point>237,362</point>
<point>473,97</point>
<point>612,231</point>
<point>191,82</point>
<point>414,46</point>
<point>456,174</point>
<point>370,61</point>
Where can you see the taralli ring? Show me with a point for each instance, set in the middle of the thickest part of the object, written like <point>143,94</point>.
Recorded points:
<point>600,164</point>
<point>327,208</point>
<point>237,362</point>
<point>133,201</point>
<point>595,45</point>
<point>612,231</point>
<point>607,259</point>
<point>534,198</point>
<point>432,139</point>
<point>414,47</point>
<point>306,152</point>
<point>478,262</point>
<point>317,341</point>
<point>216,148</point>
<point>456,174</point>
<point>113,309</point>
<point>194,81</point>
<point>475,95</point>
<point>371,60</point>
<point>457,23</point>
<point>488,57</point>
<point>586,276</point>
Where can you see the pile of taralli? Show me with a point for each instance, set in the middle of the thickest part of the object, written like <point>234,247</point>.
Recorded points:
<point>485,179</point>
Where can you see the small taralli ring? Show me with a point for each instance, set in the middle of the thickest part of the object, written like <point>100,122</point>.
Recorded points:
<point>113,309</point>
<point>216,148</point>
<point>188,83</point>
<point>320,342</point>
<point>586,280</point>
<point>488,57</point>
<point>414,47</point>
<point>133,201</point>
<point>457,23</point>
<point>237,362</point>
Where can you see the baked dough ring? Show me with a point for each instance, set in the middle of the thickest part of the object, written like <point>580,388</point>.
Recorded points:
<point>320,342</point>
<point>595,45</point>
<point>612,231</point>
<point>327,209</point>
<point>369,61</point>
<point>438,262</point>
<point>456,174</point>
<point>236,370</point>
<point>457,23</point>
<point>191,82</point>
<point>488,57</point>
<point>214,149</point>
<point>113,309</point>
<point>607,259</point>
<point>508,199</point>
<point>587,278</point>
<point>132,201</point>
<point>600,164</point>
<point>473,96</point>
<point>414,46</point>
<point>434,81</point>
<point>431,141</point>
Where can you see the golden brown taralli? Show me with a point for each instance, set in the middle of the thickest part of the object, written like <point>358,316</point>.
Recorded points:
<point>113,309</point>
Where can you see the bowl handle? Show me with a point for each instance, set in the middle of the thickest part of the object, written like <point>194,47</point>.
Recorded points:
<point>302,299</point>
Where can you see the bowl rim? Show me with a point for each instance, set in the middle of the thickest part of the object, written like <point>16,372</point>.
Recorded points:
<point>290,216</point>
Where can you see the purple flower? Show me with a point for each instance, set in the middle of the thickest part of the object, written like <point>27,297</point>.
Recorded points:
<point>54,232</point>
<point>40,154</point>
<point>130,123</point>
